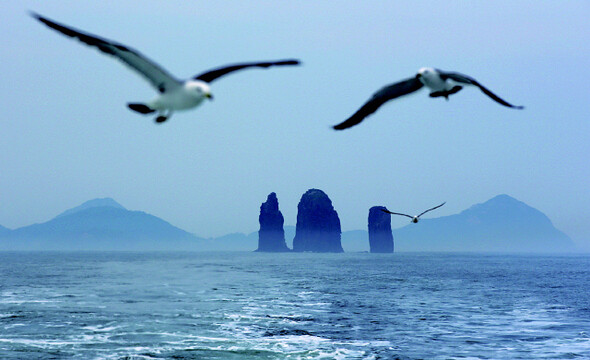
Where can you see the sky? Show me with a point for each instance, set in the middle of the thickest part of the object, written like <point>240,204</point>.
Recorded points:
<point>66,135</point>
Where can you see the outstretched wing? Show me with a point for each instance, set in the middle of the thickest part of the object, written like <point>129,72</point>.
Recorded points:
<point>393,213</point>
<point>211,75</point>
<point>471,81</point>
<point>151,71</point>
<point>379,98</point>
<point>436,207</point>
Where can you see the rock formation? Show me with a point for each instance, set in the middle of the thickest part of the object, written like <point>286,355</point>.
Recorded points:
<point>271,236</point>
<point>318,225</point>
<point>380,236</point>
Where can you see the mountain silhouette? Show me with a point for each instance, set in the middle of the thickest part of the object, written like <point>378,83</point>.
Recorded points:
<point>4,231</point>
<point>102,202</point>
<point>499,224</point>
<point>100,224</point>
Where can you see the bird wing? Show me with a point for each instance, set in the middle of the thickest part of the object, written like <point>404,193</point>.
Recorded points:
<point>157,76</point>
<point>387,93</point>
<point>471,81</point>
<point>436,207</point>
<point>211,75</point>
<point>394,213</point>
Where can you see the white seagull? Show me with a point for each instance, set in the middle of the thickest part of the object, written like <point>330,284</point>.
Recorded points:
<point>175,94</point>
<point>414,218</point>
<point>440,83</point>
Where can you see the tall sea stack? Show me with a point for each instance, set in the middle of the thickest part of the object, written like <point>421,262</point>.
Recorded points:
<point>318,225</point>
<point>271,236</point>
<point>380,236</point>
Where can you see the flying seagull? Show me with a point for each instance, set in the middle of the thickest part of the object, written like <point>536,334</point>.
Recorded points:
<point>174,94</point>
<point>414,218</point>
<point>441,84</point>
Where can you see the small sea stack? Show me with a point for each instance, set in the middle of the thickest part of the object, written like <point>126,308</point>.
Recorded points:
<point>380,235</point>
<point>271,236</point>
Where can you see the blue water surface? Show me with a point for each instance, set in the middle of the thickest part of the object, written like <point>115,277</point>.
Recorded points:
<point>237,305</point>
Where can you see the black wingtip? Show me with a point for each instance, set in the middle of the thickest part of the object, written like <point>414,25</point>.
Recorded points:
<point>34,14</point>
<point>44,20</point>
<point>288,62</point>
<point>345,125</point>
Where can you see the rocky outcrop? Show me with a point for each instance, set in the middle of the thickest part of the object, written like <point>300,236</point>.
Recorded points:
<point>380,235</point>
<point>318,225</point>
<point>271,236</point>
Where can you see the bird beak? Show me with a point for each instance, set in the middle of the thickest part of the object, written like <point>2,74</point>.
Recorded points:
<point>209,96</point>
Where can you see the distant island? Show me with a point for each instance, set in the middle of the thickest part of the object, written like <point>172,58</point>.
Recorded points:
<point>501,224</point>
<point>99,224</point>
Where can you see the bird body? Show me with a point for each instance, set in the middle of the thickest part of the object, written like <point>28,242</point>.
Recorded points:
<point>191,94</point>
<point>439,82</point>
<point>431,79</point>
<point>174,94</point>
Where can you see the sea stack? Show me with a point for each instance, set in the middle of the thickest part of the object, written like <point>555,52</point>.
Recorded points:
<point>380,235</point>
<point>271,236</point>
<point>318,225</point>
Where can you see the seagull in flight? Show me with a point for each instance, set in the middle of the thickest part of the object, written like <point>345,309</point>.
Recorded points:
<point>441,84</point>
<point>414,218</point>
<point>174,94</point>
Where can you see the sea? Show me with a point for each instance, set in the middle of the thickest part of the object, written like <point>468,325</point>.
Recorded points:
<point>248,305</point>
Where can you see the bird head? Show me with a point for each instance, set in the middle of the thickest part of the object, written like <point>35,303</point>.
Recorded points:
<point>425,71</point>
<point>415,219</point>
<point>199,89</point>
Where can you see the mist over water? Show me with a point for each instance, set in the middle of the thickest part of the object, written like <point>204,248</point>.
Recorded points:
<point>293,306</point>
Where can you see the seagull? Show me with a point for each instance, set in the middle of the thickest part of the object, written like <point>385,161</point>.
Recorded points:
<point>174,94</point>
<point>414,218</point>
<point>441,84</point>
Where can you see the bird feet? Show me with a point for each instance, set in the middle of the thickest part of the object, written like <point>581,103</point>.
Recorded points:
<point>163,116</point>
<point>446,93</point>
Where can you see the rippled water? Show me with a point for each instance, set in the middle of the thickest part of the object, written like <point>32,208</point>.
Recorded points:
<point>293,306</point>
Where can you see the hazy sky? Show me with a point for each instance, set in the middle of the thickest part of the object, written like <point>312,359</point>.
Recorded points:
<point>66,135</point>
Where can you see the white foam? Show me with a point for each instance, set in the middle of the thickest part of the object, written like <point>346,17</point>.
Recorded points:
<point>101,328</point>
<point>25,301</point>
<point>11,326</point>
<point>38,342</point>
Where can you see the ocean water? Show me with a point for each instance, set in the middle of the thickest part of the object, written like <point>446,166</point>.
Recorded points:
<point>293,306</point>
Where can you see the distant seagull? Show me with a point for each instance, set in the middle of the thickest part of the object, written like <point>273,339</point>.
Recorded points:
<point>175,94</point>
<point>440,83</point>
<point>417,217</point>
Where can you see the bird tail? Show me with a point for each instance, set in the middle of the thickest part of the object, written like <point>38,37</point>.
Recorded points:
<point>141,108</point>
